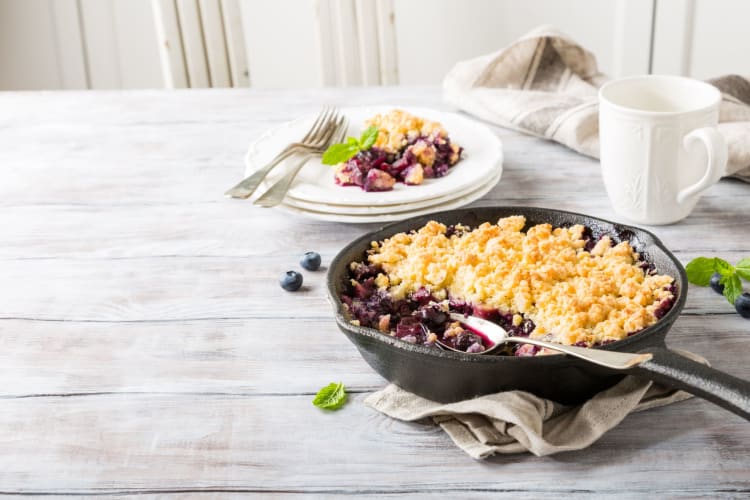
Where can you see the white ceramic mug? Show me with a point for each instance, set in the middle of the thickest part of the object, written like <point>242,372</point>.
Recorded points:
<point>659,145</point>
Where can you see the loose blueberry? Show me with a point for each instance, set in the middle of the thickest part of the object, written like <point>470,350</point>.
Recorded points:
<point>310,261</point>
<point>718,287</point>
<point>742,304</point>
<point>291,281</point>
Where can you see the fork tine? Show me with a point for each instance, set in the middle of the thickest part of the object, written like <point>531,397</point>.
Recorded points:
<point>342,132</point>
<point>315,140</point>
<point>325,136</point>
<point>321,128</point>
<point>336,129</point>
<point>315,124</point>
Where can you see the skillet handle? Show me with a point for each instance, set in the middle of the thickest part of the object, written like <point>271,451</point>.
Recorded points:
<point>677,371</point>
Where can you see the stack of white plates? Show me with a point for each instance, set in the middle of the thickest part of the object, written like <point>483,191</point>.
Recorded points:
<point>314,193</point>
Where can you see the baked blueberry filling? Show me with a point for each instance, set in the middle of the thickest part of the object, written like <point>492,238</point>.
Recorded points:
<point>421,316</point>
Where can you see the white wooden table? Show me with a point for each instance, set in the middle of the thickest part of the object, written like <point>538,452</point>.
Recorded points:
<point>146,347</point>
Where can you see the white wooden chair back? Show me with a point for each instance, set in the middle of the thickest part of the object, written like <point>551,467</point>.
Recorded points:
<point>292,43</point>
<point>357,42</point>
<point>201,43</point>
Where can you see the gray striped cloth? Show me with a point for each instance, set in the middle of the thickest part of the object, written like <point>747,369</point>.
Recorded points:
<point>545,84</point>
<point>519,422</point>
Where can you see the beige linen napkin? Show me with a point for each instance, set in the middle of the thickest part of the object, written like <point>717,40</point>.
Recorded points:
<point>546,84</point>
<point>516,421</point>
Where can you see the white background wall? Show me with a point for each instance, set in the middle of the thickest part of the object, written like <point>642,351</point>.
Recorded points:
<point>282,48</point>
<point>67,44</point>
<point>457,33</point>
<point>57,44</point>
<point>702,38</point>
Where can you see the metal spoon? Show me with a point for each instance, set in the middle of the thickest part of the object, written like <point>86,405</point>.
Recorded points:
<point>498,336</point>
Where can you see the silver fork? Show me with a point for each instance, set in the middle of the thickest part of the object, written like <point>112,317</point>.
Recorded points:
<point>312,141</point>
<point>277,192</point>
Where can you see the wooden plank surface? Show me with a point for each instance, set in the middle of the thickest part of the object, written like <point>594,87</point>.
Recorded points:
<point>235,356</point>
<point>146,348</point>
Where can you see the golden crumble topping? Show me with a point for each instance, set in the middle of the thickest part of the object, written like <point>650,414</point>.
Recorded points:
<point>397,128</point>
<point>545,274</point>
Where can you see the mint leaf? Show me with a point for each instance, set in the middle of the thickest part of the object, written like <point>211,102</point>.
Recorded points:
<point>743,269</point>
<point>700,269</point>
<point>331,397</point>
<point>723,267</point>
<point>339,153</point>
<point>732,287</point>
<point>368,138</point>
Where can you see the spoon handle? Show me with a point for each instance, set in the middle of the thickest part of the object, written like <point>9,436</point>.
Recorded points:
<point>608,359</point>
<point>498,335</point>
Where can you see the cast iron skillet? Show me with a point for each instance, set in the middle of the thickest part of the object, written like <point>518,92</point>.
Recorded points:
<point>445,376</point>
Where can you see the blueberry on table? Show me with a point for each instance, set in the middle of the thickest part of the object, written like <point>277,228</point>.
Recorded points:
<point>742,304</point>
<point>717,287</point>
<point>291,281</point>
<point>310,261</point>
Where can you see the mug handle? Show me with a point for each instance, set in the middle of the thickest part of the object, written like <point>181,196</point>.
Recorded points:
<point>716,147</point>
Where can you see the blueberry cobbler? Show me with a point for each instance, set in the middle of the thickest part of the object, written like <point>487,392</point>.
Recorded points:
<point>555,284</point>
<point>407,149</point>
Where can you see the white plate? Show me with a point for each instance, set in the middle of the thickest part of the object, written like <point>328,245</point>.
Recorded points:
<point>382,209</point>
<point>393,216</point>
<point>481,160</point>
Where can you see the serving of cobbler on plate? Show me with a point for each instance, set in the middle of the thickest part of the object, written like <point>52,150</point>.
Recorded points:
<point>406,148</point>
<point>551,283</point>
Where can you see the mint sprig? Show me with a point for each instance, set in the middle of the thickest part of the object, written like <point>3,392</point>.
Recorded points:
<point>732,286</point>
<point>700,270</point>
<point>368,138</point>
<point>339,153</point>
<point>743,269</point>
<point>331,397</point>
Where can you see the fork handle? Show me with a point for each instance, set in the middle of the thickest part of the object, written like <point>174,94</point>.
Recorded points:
<point>276,193</point>
<point>246,187</point>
